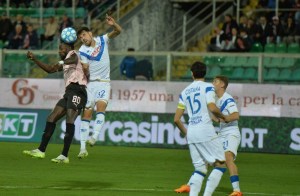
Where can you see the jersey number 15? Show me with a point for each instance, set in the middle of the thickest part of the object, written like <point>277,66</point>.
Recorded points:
<point>194,103</point>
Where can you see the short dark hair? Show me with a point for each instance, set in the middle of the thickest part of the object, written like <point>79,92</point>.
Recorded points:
<point>80,30</point>
<point>198,69</point>
<point>224,79</point>
<point>68,44</point>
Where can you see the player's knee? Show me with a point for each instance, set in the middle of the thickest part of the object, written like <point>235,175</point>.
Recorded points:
<point>201,169</point>
<point>219,163</point>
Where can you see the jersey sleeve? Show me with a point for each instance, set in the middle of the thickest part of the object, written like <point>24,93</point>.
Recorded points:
<point>210,94</point>
<point>106,38</point>
<point>231,107</point>
<point>181,103</point>
<point>83,58</point>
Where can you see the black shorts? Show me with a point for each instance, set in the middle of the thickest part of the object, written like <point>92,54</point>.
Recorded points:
<point>75,97</point>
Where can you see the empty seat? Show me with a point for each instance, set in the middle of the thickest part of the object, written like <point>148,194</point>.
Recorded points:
<point>281,48</point>
<point>238,73</point>
<point>256,47</point>
<point>250,74</point>
<point>269,48</point>
<point>240,61</point>
<point>295,77</point>
<point>293,48</point>
<point>276,62</point>
<point>252,62</point>
<point>213,71</point>
<point>229,61</point>
<point>272,74</point>
<point>267,62</point>
<point>284,75</point>
<point>208,60</point>
<point>287,62</point>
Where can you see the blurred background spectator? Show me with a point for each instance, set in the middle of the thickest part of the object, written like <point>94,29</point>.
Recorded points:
<point>128,65</point>
<point>50,30</point>
<point>31,40</point>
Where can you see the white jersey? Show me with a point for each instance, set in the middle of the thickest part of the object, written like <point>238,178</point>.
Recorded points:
<point>227,106</point>
<point>98,58</point>
<point>194,98</point>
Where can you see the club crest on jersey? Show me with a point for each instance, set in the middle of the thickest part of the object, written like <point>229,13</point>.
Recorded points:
<point>96,51</point>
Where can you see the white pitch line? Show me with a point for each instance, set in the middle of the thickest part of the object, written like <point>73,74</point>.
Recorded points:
<point>121,189</point>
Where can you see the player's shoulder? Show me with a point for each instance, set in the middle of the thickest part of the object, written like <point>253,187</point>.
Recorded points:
<point>227,96</point>
<point>83,48</point>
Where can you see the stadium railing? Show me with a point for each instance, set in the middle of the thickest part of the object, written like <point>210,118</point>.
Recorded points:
<point>174,66</point>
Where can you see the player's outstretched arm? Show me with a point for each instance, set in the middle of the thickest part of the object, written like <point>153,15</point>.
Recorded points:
<point>48,68</point>
<point>116,27</point>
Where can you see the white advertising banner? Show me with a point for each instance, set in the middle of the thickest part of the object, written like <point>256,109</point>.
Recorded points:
<point>153,97</point>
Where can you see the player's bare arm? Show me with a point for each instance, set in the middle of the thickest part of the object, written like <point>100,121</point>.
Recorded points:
<point>48,68</point>
<point>73,59</point>
<point>116,27</point>
<point>215,110</point>
<point>177,120</point>
<point>232,117</point>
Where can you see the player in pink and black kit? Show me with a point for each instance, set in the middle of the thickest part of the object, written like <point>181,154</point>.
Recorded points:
<point>73,101</point>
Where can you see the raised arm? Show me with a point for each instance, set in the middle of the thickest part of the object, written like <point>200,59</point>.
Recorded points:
<point>116,27</point>
<point>48,68</point>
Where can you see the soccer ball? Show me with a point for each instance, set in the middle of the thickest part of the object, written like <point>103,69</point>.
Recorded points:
<point>68,35</point>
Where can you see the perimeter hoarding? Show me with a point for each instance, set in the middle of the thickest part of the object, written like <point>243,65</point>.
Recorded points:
<point>141,114</point>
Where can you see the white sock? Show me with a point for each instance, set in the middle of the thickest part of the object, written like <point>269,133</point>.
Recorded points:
<point>213,181</point>
<point>84,132</point>
<point>99,122</point>
<point>195,183</point>
<point>235,183</point>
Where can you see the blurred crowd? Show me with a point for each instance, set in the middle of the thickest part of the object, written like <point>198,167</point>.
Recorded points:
<point>258,24</point>
<point>21,35</point>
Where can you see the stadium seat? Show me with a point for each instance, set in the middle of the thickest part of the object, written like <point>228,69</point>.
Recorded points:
<point>36,13</point>
<point>256,47</point>
<point>237,74</point>
<point>269,48</point>
<point>229,61</point>
<point>220,60</point>
<point>209,60</point>
<point>295,77</point>
<point>49,12</point>
<point>293,48</point>
<point>272,74</point>
<point>276,62</point>
<point>250,74</point>
<point>60,11</point>
<point>241,61</point>
<point>267,62</point>
<point>226,71</point>
<point>252,62</point>
<point>287,62</point>
<point>80,12</point>
<point>284,75</point>
<point>213,71</point>
<point>281,48</point>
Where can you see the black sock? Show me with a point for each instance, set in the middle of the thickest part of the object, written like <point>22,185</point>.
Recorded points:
<point>68,138</point>
<point>48,132</point>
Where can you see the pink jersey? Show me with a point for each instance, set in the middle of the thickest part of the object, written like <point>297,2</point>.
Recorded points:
<point>74,72</point>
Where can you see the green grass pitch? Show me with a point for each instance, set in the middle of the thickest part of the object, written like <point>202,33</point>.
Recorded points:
<point>122,171</point>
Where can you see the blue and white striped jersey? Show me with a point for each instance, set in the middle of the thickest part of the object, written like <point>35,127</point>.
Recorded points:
<point>97,57</point>
<point>194,98</point>
<point>227,106</point>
